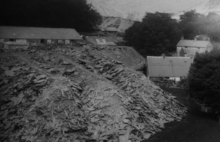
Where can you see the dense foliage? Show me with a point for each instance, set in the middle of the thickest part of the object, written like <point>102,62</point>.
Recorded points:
<point>157,33</point>
<point>204,79</point>
<point>192,24</point>
<point>49,13</point>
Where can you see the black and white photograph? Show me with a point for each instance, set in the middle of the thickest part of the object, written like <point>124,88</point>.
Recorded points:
<point>110,71</point>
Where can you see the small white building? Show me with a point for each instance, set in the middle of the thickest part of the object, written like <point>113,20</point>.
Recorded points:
<point>188,48</point>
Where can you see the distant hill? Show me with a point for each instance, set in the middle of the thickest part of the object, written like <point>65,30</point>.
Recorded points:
<point>204,8</point>
<point>136,9</point>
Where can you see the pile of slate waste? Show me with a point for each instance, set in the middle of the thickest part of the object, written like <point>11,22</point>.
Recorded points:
<point>74,94</point>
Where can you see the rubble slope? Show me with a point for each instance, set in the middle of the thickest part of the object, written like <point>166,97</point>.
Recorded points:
<point>70,93</point>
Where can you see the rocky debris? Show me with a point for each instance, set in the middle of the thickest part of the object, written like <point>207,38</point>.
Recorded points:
<point>154,106</point>
<point>146,100</point>
<point>35,107</point>
<point>122,55</point>
<point>79,94</point>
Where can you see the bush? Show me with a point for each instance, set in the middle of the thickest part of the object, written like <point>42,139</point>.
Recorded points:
<point>204,79</point>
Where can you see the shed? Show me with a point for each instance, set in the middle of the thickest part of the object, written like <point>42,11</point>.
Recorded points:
<point>191,47</point>
<point>158,66</point>
<point>23,35</point>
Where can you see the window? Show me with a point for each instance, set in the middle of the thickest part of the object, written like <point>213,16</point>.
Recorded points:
<point>12,39</point>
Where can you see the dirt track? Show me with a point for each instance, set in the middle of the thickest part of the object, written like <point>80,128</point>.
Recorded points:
<point>195,127</point>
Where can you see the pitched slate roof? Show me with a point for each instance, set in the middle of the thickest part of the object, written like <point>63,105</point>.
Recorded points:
<point>37,33</point>
<point>168,66</point>
<point>193,43</point>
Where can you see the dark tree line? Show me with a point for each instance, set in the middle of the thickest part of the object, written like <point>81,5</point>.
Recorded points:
<point>192,24</point>
<point>158,33</point>
<point>204,80</point>
<point>49,13</point>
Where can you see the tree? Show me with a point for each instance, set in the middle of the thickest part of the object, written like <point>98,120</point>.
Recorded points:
<point>203,27</point>
<point>204,79</point>
<point>156,34</point>
<point>191,24</point>
<point>49,13</point>
<point>211,26</point>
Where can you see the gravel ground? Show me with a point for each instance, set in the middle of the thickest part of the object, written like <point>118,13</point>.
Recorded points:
<point>195,127</point>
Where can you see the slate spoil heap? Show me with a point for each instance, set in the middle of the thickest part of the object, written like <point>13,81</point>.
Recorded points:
<point>78,94</point>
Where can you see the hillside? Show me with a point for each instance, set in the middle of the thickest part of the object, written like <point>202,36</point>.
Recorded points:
<point>210,6</point>
<point>204,8</point>
<point>135,10</point>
